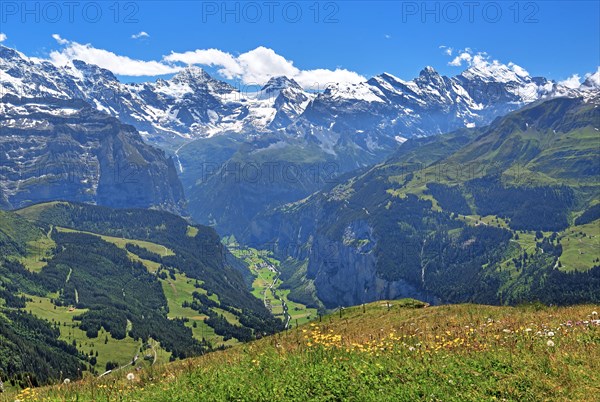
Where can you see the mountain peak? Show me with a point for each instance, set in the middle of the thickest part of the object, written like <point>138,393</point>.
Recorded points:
<point>390,78</point>
<point>192,74</point>
<point>429,76</point>
<point>92,70</point>
<point>7,53</point>
<point>428,73</point>
<point>279,83</point>
<point>496,71</point>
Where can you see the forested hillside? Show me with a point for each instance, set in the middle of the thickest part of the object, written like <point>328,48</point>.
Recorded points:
<point>93,289</point>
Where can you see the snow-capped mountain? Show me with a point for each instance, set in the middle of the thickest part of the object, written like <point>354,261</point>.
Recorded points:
<point>374,115</point>
<point>191,104</point>
<point>429,104</point>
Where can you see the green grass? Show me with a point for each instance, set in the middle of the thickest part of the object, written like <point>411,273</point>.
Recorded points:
<point>299,313</point>
<point>179,290</point>
<point>581,247</point>
<point>33,212</point>
<point>121,242</point>
<point>115,350</point>
<point>37,251</point>
<point>191,231</point>
<point>489,220</point>
<point>381,353</point>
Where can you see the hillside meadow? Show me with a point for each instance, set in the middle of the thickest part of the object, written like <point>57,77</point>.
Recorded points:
<point>399,350</point>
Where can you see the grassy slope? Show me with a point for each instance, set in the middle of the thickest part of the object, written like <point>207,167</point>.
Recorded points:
<point>37,243</point>
<point>581,247</point>
<point>39,246</point>
<point>176,291</point>
<point>115,350</point>
<point>450,353</point>
<point>179,290</point>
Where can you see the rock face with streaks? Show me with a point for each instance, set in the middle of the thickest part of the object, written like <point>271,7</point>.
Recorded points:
<point>53,149</point>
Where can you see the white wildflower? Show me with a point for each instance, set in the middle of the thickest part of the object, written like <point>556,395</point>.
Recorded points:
<point>66,381</point>
<point>550,343</point>
<point>130,376</point>
<point>550,333</point>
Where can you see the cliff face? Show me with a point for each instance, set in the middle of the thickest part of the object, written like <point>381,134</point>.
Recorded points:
<point>54,149</point>
<point>342,263</point>
<point>344,272</point>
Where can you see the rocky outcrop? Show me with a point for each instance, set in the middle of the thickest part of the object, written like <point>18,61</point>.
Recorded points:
<point>53,149</point>
<point>345,274</point>
<point>343,268</point>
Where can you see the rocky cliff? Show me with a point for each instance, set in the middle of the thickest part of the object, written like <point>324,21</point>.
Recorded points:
<point>53,149</point>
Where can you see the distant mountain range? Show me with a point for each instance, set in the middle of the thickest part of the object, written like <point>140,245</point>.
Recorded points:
<point>216,132</point>
<point>192,104</point>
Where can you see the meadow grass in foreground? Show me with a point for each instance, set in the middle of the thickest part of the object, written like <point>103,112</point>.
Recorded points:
<point>376,353</point>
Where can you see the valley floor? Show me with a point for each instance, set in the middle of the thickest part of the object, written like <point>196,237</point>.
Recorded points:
<point>384,351</point>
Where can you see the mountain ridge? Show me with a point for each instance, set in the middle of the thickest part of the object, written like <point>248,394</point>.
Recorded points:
<point>193,104</point>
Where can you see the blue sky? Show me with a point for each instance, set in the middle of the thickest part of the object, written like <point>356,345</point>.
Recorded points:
<point>553,39</point>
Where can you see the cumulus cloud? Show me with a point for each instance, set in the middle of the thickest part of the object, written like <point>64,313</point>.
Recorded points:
<point>60,40</point>
<point>121,65</point>
<point>572,82</point>
<point>462,58</point>
<point>3,37</point>
<point>258,65</point>
<point>140,35</point>
<point>589,79</point>
<point>482,61</point>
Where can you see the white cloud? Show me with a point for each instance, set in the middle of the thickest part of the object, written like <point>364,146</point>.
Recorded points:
<point>387,36</point>
<point>3,37</point>
<point>60,40</point>
<point>575,81</point>
<point>140,35</point>
<point>258,65</point>
<point>572,82</point>
<point>121,65</point>
<point>518,69</point>
<point>482,60</point>
<point>447,50</point>
<point>462,57</point>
